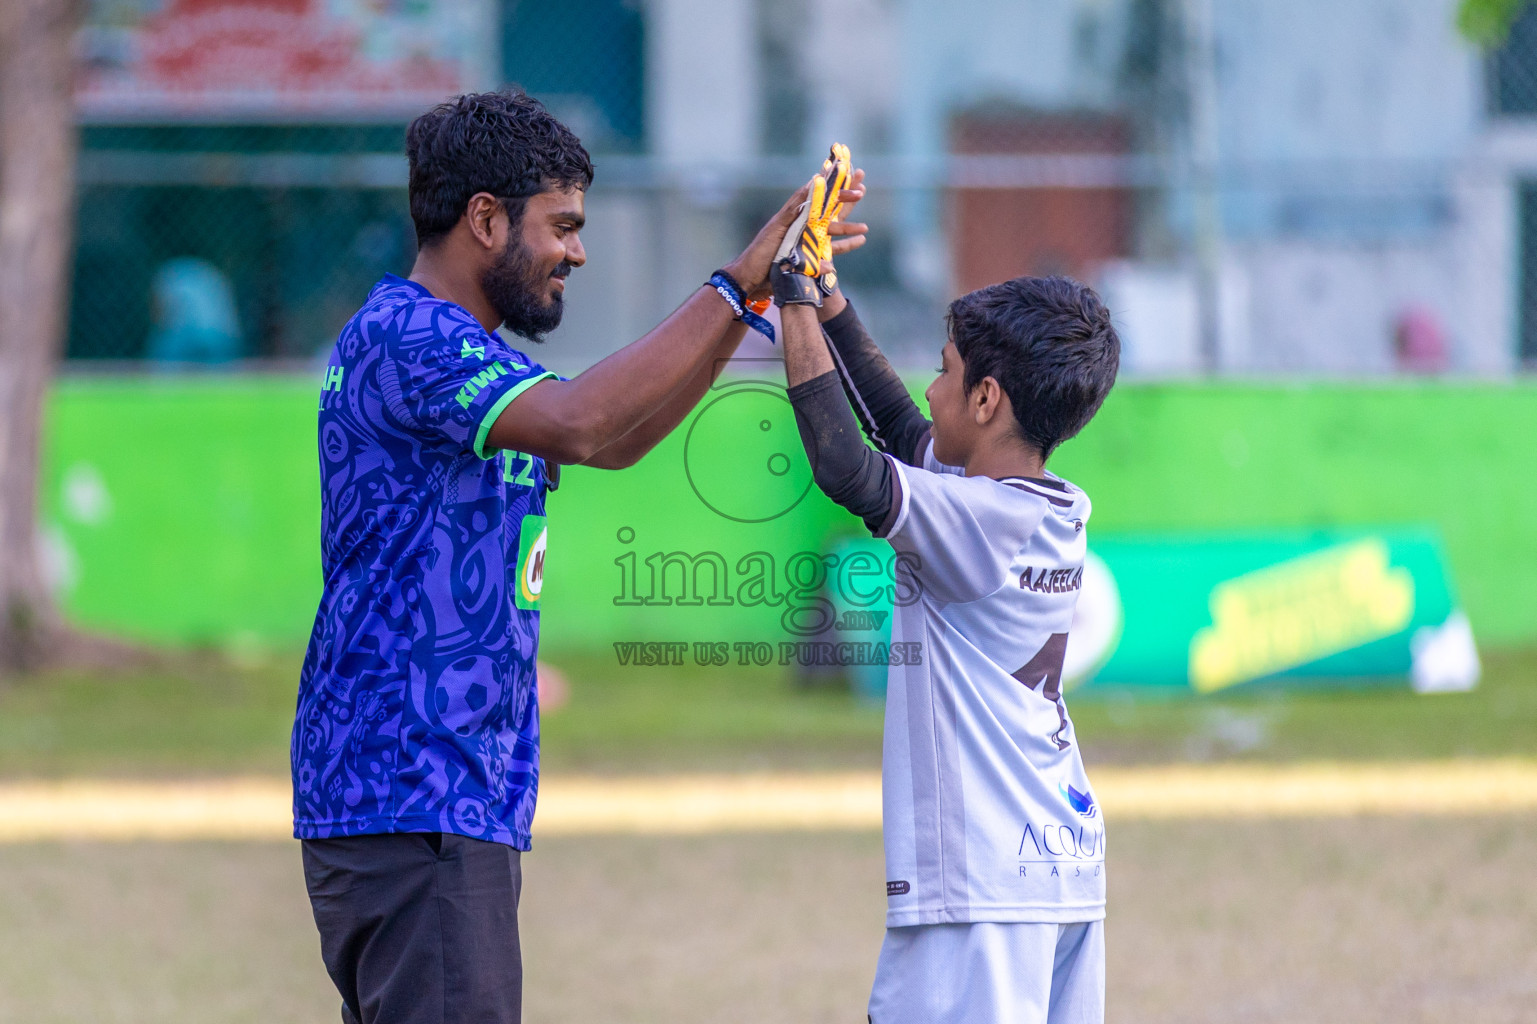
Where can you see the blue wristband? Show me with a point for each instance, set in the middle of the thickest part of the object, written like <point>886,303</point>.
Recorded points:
<point>732,293</point>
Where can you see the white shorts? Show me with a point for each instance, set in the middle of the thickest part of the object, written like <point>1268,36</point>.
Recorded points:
<point>989,973</point>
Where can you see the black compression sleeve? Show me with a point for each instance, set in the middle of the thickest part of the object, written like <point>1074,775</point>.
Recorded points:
<point>842,465</point>
<point>886,411</point>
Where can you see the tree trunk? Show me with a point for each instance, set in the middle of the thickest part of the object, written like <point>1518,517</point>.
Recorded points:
<point>37,173</point>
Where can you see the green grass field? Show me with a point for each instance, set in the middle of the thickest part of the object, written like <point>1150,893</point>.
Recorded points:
<point>1378,921</point>
<point>207,716</point>
<point>1355,920</point>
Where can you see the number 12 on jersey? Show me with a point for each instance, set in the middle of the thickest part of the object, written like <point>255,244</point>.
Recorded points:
<point>518,468</point>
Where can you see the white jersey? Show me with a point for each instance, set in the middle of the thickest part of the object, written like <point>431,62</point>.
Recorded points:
<point>988,815</point>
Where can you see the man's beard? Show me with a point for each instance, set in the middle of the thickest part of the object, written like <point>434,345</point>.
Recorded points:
<point>515,288</point>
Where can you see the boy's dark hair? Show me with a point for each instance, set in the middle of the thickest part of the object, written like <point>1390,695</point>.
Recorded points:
<point>504,143</point>
<point>1048,343</point>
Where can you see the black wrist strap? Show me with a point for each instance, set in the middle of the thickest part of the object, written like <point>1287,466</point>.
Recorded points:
<point>792,288</point>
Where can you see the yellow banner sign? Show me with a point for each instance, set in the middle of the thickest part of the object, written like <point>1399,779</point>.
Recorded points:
<point>1298,611</point>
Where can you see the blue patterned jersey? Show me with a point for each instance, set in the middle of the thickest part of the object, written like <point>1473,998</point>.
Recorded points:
<point>417,708</point>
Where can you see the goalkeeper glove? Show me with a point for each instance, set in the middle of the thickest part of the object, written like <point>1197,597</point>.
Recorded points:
<point>802,270</point>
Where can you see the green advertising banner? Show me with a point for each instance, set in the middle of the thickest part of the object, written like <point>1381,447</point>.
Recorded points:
<point>1217,613</point>
<point>184,509</point>
<point>1213,614</point>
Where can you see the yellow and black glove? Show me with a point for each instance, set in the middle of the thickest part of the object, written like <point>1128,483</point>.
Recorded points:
<point>802,270</point>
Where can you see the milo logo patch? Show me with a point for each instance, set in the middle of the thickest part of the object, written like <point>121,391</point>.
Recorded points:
<point>532,535</point>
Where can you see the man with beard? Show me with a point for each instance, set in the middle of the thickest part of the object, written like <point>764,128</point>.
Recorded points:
<point>416,739</point>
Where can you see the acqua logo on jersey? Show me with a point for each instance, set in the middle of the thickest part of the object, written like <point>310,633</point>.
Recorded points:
<point>532,536</point>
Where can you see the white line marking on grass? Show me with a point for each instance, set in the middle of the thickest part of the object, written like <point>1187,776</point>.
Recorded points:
<point>683,804</point>
<point>1317,790</point>
<point>259,808</point>
<point>106,809</point>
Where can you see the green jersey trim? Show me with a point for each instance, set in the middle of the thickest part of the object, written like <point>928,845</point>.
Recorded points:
<point>496,410</point>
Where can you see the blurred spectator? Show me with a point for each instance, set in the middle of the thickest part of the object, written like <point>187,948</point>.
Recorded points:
<point>1419,342</point>
<point>554,690</point>
<point>195,318</point>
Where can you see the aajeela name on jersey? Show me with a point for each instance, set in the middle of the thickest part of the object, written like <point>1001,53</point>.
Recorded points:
<point>1051,581</point>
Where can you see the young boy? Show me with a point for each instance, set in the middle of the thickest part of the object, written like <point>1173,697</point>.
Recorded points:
<point>994,841</point>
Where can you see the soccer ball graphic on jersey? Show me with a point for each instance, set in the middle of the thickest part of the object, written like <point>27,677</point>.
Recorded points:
<point>743,454</point>
<point>465,693</point>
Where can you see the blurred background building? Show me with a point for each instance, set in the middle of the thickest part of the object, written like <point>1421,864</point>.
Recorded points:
<point>1306,188</point>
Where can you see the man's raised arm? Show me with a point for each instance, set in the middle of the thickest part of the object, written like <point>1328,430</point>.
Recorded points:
<point>571,421</point>
<point>631,447</point>
<point>624,405</point>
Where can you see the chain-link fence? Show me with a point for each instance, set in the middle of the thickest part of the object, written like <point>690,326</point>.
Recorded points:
<point>215,254</point>
<point>1254,188</point>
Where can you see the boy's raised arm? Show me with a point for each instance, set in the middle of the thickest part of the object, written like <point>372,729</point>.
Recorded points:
<point>886,410</point>
<point>842,465</point>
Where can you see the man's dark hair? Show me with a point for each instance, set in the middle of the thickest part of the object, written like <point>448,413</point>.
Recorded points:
<point>504,143</point>
<point>1048,343</point>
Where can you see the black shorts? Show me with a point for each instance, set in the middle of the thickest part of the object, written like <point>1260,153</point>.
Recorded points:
<point>419,928</point>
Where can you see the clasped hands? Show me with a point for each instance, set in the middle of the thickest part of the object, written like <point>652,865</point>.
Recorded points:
<point>791,256</point>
